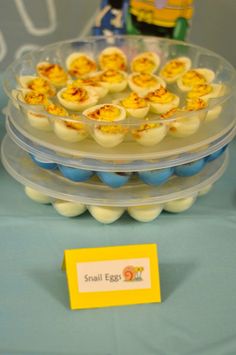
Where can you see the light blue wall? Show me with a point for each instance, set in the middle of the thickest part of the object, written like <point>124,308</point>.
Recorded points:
<point>214,27</point>
<point>213,24</point>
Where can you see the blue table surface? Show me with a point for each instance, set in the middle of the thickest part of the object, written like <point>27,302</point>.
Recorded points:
<point>197,252</point>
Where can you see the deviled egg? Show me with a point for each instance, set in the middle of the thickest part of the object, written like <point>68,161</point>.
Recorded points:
<point>77,98</point>
<point>145,213</point>
<point>143,83</point>
<point>112,58</point>
<point>107,135</point>
<point>53,72</point>
<point>135,105</point>
<point>106,214</point>
<point>113,80</point>
<point>92,83</point>
<point>70,130</point>
<point>206,91</point>
<point>80,64</point>
<point>146,62</point>
<point>175,68</point>
<point>149,133</point>
<point>35,115</point>
<point>182,126</point>
<point>195,77</point>
<point>36,83</point>
<point>162,100</point>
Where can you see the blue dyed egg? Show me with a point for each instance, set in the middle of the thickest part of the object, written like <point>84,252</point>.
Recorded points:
<point>48,165</point>
<point>216,154</point>
<point>156,177</point>
<point>190,169</point>
<point>113,179</point>
<point>75,174</point>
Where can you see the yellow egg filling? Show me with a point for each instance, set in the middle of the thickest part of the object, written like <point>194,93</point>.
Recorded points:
<point>195,104</point>
<point>86,82</point>
<point>106,113</point>
<point>199,90</point>
<point>113,61</point>
<point>193,78</point>
<point>54,72</point>
<point>144,80</point>
<point>173,68</point>
<point>35,98</point>
<point>82,66</point>
<point>75,94</point>
<point>56,110</point>
<point>133,101</point>
<point>76,125</point>
<point>144,127</point>
<point>161,95</point>
<point>143,65</point>
<point>41,85</point>
<point>112,129</point>
<point>169,113</point>
<point>112,76</point>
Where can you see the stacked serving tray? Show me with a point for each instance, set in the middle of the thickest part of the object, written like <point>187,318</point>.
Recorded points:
<point>108,175</point>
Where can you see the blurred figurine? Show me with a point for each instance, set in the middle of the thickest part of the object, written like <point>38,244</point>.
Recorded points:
<point>164,18</point>
<point>111,18</point>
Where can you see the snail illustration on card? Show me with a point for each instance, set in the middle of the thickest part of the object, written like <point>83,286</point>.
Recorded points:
<point>132,273</point>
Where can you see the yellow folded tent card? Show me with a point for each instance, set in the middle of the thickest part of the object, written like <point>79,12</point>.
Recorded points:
<point>112,276</point>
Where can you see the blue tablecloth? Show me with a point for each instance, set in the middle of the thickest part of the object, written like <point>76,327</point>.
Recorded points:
<point>197,251</point>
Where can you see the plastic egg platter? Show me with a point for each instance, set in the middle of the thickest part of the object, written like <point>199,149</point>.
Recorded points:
<point>118,179</point>
<point>107,205</point>
<point>130,128</point>
<point>109,214</point>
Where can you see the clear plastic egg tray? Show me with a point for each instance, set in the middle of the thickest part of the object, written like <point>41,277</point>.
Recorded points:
<point>130,137</point>
<point>18,163</point>
<point>89,154</point>
<point>50,158</point>
<point>109,214</point>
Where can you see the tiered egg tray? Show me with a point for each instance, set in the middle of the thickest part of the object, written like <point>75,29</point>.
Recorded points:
<point>102,155</point>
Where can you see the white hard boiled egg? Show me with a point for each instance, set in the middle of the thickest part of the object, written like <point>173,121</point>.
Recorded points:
<point>34,113</point>
<point>68,208</point>
<point>146,62</point>
<point>38,84</point>
<point>143,83</point>
<point>37,196</point>
<point>53,72</point>
<point>80,64</point>
<point>70,130</point>
<point>195,77</point>
<point>135,105</point>
<point>162,100</point>
<point>180,205</point>
<point>145,213</point>
<point>206,91</point>
<point>113,80</point>
<point>112,58</point>
<point>92,83</point>
<point>107,135</point>
<point>106,214</point>
<point>174,69</point>
<point>150,134</point>
<point>77,98</point>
